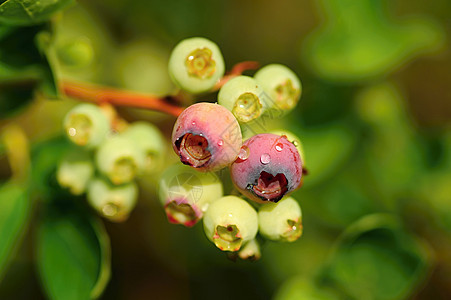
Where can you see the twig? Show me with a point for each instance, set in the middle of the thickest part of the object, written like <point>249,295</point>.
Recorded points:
<point>116,97</point>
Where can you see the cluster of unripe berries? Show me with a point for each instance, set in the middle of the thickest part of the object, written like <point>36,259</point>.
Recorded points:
<point>104,163</point>
<point>207,137</point>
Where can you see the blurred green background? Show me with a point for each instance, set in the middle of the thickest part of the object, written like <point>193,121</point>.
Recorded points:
<point>374,119</point>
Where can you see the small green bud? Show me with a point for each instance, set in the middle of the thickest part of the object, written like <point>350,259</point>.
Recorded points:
<point>250,251</point>
<point>196,64</point>
<point>186,193</point>
<point>119,159</point>
<point>113,202</point>
<point>151,142</point>
<point>244,98</point>
<point>74,171</point>
<point>76,53</point>
<point>281,84</point>
<point>281,221</point>
<point>86,125</point>
<point>230,222</point>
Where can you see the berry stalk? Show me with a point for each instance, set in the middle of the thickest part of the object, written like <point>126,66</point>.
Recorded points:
<point>117,97</point>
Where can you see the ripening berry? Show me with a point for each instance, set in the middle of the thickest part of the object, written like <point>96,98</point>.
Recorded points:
<point>230,222</point>
<point>186,194</point>
<point>267,168</point>
<point>196,64</point>
<point>113,202</point>
<point>86,125</point>
<point>293,139</point>
<point>74,171</point>
<point>151,142</point>
<point>206,136</point>
<point>281,85</point>
<point>120,159</point>
<point>281,221</point>
<point>244,98</point>
<point>250,251</point>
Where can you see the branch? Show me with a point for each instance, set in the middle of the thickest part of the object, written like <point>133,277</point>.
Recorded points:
<point>116,97</point>
<point>237,70</point>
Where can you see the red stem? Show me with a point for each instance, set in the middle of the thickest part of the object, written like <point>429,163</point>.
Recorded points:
<point>116,97</point>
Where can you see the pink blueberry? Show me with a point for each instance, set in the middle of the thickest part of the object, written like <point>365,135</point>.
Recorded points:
<point>207,137</point>
<point>268,167</point>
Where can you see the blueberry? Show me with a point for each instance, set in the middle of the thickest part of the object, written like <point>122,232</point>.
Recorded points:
<point>207,137</point>
<point>230,222</point>
<point>268,168</point>
<point>196,64</point>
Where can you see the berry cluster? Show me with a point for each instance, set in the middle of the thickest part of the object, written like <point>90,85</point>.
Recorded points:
<point>208,138</point>
<point>107,157</point>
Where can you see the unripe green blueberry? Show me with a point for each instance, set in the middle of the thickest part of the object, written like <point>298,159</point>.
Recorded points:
<point>186,194</point>
<point>120,159</point>
<point>151,142</point>
<point>281,84</point>
<point>250,251</point>
<point>281,221</point>
<point>196,64</point>
<point>76,53</point>
<point>113,202</point>
<point>86,125</point>
<point>75,170</point>
<point>293,139</point>
<point>230,222</point>
<point>244,97</point>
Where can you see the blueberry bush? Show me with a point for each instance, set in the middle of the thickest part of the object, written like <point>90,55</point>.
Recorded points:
<point>232,150</point>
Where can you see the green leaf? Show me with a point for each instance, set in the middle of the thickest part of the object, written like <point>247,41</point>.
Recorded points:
<point>299,288</point>
<point>326,150</point>
<point>376,259</point>
<point>359,41</point>
<point>29,12</point>
<point>24,66</point>
<point>14,212</point>
<point>73,254</point>
<point>45,157</point>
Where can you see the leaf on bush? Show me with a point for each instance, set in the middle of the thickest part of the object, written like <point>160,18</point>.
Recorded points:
<point>302,288</point>
<point>359,40</point>
<point>23,12</point>
<point>14,211</point>
<point>73,254</point>
<point>24,66</point>
<point>45,157</point>
<point>326,150</point>
<point>376,259</point>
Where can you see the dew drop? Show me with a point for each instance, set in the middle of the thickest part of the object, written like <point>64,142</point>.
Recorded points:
<point>193,123</point>
<point>220,143</point>
<point>279,147</point>
<point>244,153</point>
<point>265,158</point>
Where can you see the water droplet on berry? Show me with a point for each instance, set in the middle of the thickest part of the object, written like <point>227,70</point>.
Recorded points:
<point>279,147</point>
<point>220,143</point>
<point>265,158</point>
<point>244,153</point>
<point>193,123</point>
